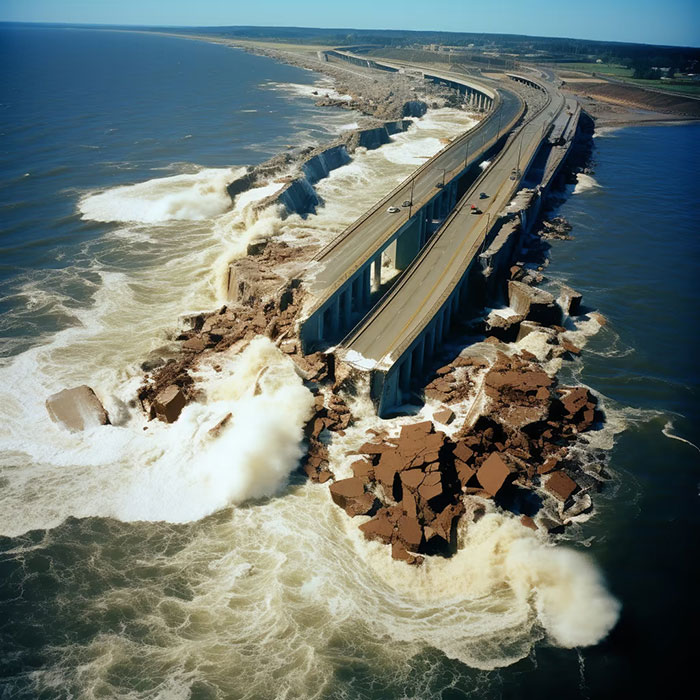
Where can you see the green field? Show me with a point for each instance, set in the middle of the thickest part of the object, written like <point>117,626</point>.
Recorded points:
<point>685,87</point>
<point>602,68</point>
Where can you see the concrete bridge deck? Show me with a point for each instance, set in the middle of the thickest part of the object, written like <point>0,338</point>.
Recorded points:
<point>349,268</point>
<point>397,338</point>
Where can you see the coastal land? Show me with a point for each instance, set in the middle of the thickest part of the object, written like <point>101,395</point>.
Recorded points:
<point>499,426</point>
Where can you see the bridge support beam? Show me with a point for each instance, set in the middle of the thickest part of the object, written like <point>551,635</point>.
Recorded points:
<point>377,273</point>
<point>408,244</point>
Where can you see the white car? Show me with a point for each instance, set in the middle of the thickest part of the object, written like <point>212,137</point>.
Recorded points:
<point>393,210</point>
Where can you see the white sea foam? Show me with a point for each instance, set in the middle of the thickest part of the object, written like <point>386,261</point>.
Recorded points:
<point>315,91</point>
<point>181,197</point>
<point>177,472</point>
<point>668,432</point>
<point>585,183</point>
<point>606,132</point>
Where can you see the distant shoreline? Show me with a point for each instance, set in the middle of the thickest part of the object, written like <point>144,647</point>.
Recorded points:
<point>611,112</point>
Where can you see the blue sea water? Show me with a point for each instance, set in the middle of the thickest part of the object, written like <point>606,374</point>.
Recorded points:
<point>87,110</point>
<point>272,599</point>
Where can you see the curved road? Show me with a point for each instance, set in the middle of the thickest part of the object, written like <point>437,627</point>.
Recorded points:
<point>364,238</point>
<point>422,290</point>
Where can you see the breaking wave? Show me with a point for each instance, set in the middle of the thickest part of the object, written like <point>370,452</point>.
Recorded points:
<point>154,471</point>
<point>181,197</point>
<point>585,183</point>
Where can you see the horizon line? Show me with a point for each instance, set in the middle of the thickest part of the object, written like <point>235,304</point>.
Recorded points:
<point>355,29</point>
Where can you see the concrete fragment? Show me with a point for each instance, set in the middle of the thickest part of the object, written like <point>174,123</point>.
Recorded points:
<point>444,416</point>
<point>532,303</point>
<point>194,345</point>
<point>560,485</point>
<point>76,409</point>
<point>169,403</point>
<point>527,521</point>
<point>569,300</point>
<point>410,532</point>
<point>431,486</point>
<point>350,495</point>
<point>493,473</point>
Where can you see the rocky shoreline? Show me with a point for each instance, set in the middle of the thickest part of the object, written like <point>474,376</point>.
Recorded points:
<point>508,426</point>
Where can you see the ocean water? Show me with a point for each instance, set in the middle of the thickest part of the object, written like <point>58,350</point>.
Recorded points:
<point>153,561</point>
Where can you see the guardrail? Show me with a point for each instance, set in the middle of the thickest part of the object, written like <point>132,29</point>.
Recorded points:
<point>472,251</point>
<point>467,136</point>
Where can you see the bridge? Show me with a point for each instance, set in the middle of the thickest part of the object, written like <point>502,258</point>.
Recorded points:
<point>439,244</point>
<point>347,278</point>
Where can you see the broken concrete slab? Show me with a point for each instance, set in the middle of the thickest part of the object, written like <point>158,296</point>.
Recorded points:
<point>560,485</point>
<point>493,474</point>
<point>169,403</point>
<point>77,409</point>
<point>444,416</point>
<point>533,303</point>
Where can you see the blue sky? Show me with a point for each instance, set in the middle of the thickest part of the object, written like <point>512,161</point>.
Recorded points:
<point>675,22</point>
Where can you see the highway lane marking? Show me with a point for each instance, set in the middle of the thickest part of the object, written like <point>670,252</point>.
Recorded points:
<point>457,251</point>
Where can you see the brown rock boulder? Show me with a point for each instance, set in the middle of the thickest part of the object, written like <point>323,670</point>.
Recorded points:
<point>363,469</point>
<point>411,479</point>
<point>76,409</point>
<point>444,416</point>
<point>381,527</point>
<point>350,495</point>
<point>561,485</point>
<point>410,532</point>
<point>194,345</point>
<point>527,521</point>
<point>493,474</point>
<point>431,487</point>
<point>169,403</point>
<point>400,553</point>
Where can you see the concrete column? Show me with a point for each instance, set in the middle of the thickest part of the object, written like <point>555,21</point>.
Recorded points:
<point>319,327</point>
<point>356,295</point>
<point>405,375</point>
<point>335,315</point>
<point>419,364</point>
<point>440,329</point>
<point>346,309</point>
<point>366,285</point>
<point>407,245</point>
<point>391,392</point>
<point>377,273</point>
<point>429,348</point>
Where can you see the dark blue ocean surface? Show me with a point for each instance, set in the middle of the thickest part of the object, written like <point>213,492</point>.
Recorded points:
<point>636,257</point>
<point>84,110</point>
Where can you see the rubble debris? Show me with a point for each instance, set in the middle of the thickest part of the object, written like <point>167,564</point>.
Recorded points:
<point>532,303</point>
<point>169,403</point>
<point>560,485</point>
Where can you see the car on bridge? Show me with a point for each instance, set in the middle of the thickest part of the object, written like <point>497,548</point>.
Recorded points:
<point>475,209</point>
<point>483,195</point>
<point>393,210</point>
<point>407,203</point>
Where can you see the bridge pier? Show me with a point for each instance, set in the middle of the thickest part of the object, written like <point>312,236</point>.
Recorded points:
<point>377,273</point>
<point>408,244</point>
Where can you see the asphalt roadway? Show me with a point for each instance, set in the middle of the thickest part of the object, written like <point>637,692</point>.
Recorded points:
<point>424,287</point>
<point>362,239</point>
